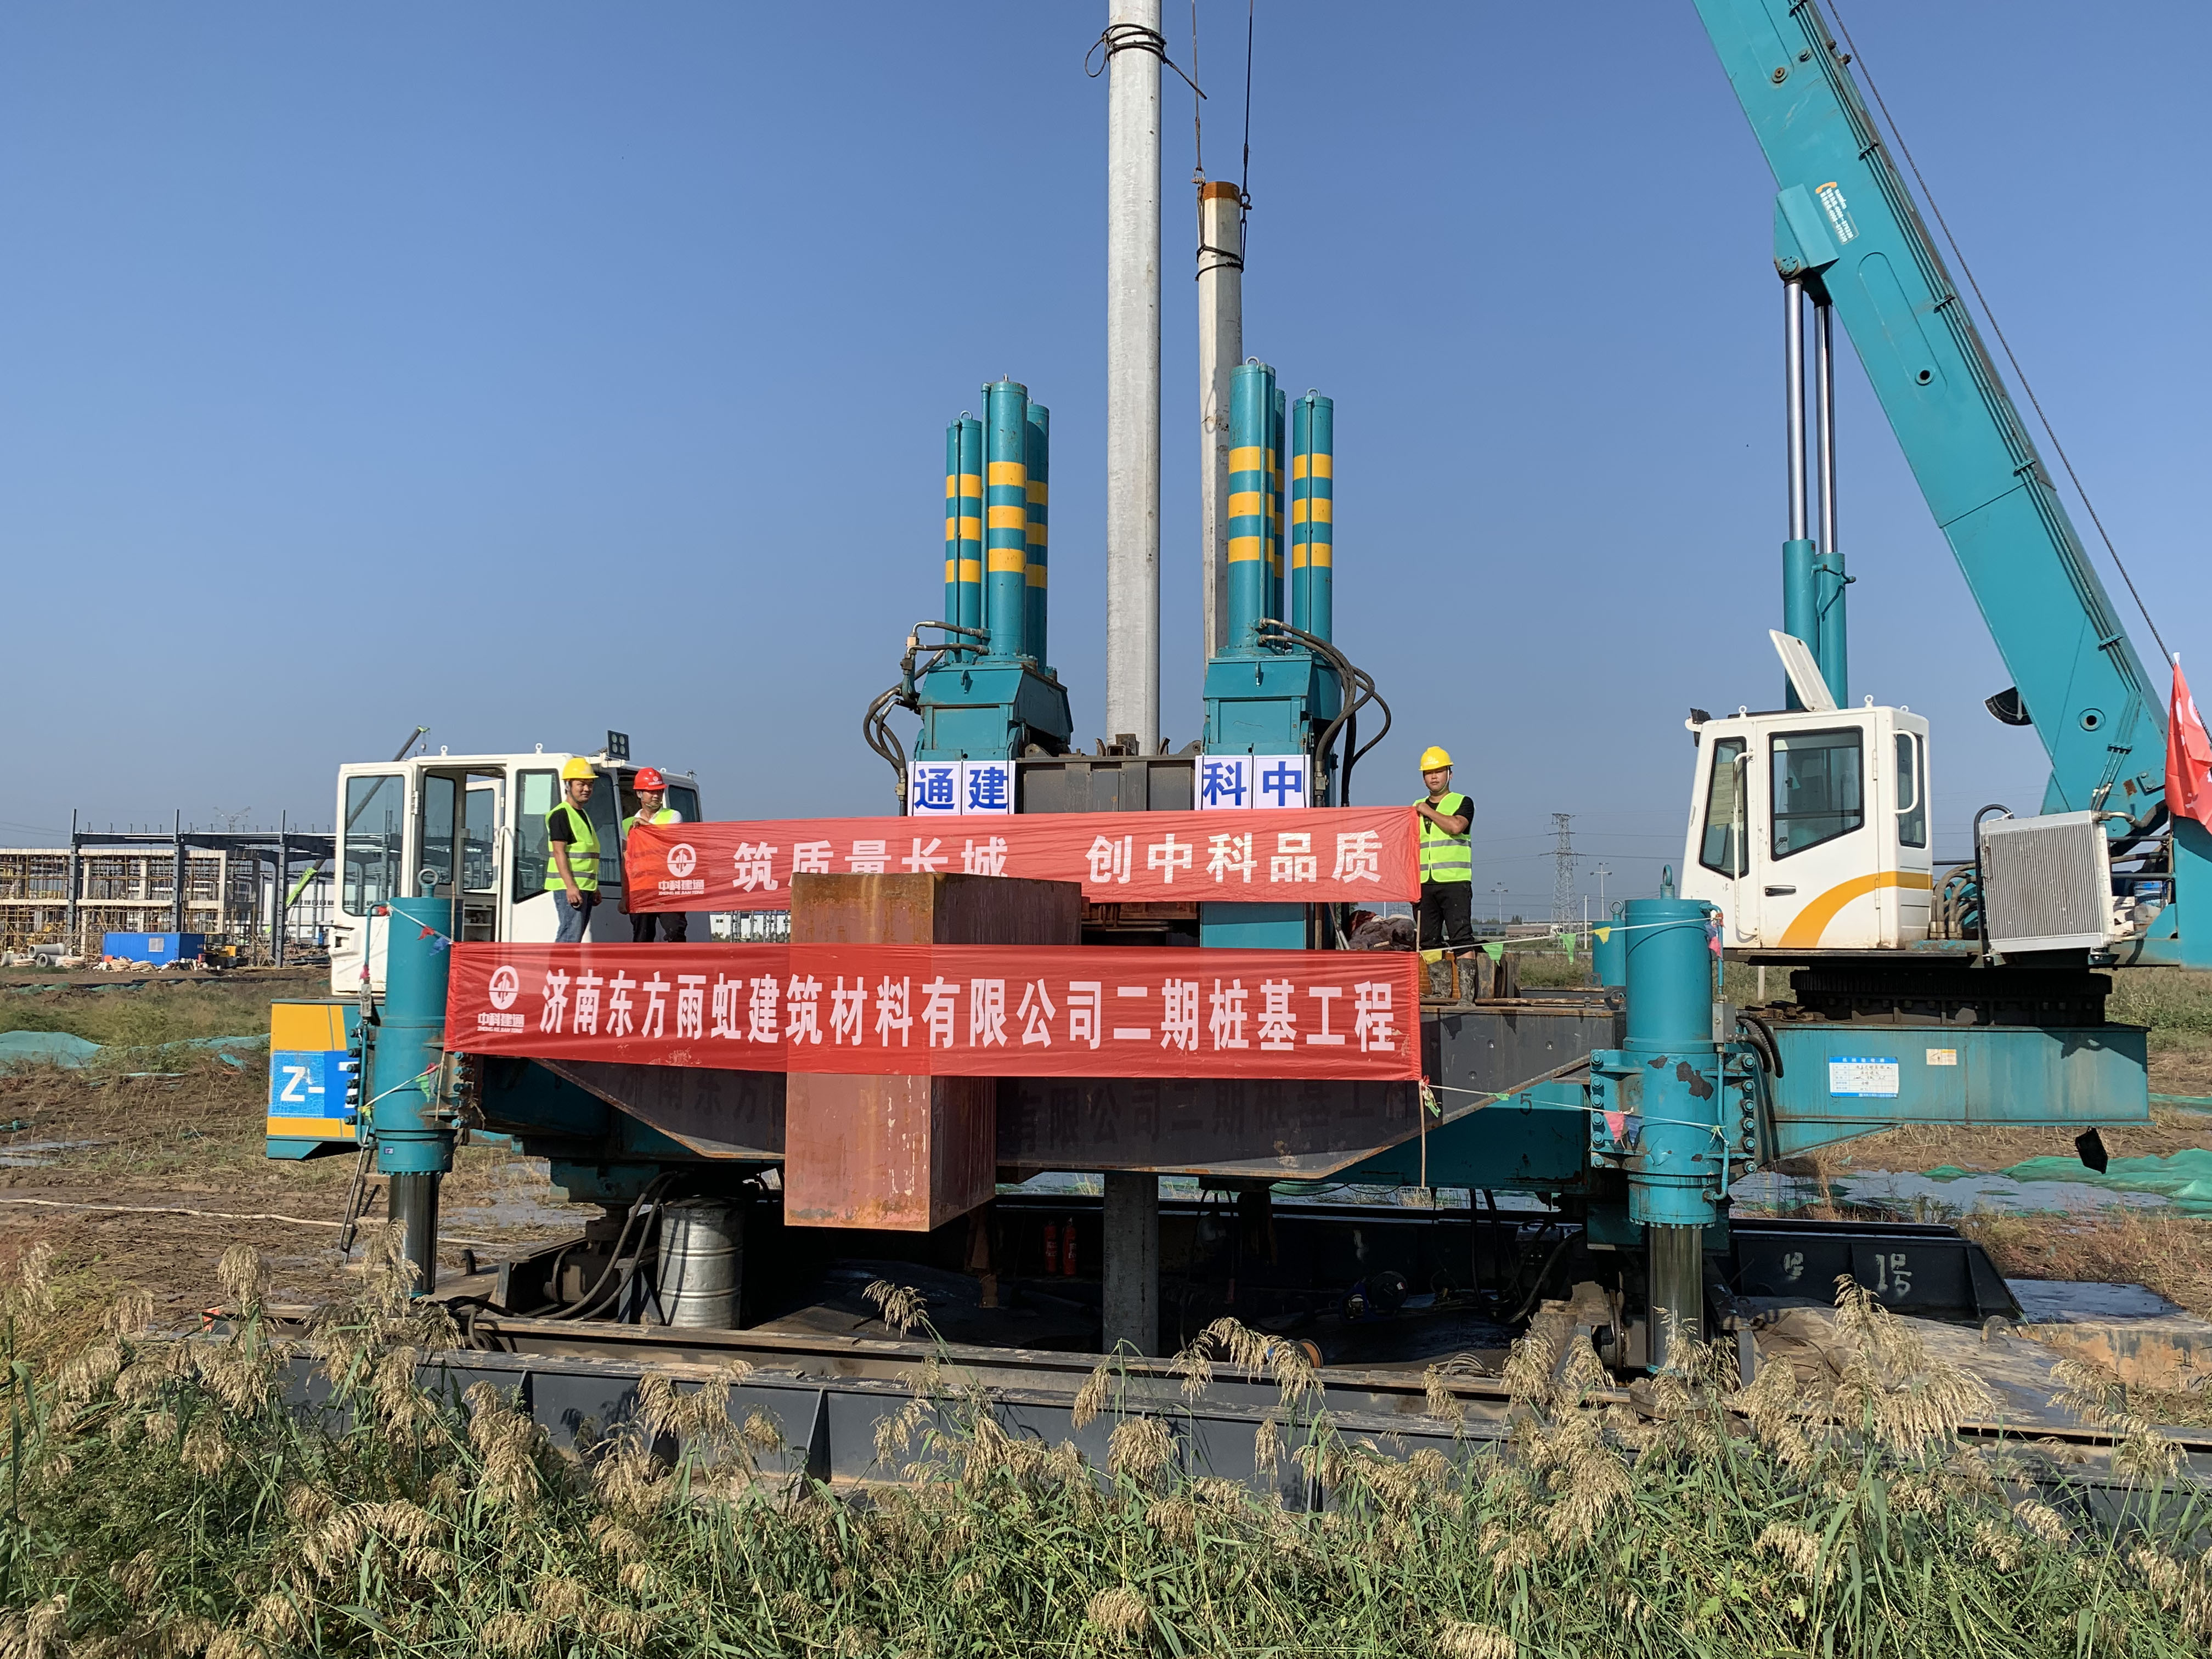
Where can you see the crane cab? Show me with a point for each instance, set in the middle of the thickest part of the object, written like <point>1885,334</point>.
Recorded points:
<point>432,825</point>
<point>1810,829</point>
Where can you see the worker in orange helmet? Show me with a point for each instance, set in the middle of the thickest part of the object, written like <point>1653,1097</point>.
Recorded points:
<point>652,808</point>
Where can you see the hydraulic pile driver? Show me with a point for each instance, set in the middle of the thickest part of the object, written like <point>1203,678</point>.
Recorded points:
<point>1622,1119</point>
<point>987,691</point>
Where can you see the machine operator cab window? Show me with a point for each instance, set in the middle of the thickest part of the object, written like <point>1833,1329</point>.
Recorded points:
<point>438,824</point>
<point>1809,829</point>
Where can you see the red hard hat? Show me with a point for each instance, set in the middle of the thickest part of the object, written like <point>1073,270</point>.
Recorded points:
<point>649,779</point>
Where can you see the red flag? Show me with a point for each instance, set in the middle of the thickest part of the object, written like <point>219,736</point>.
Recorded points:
<point>2188,756</point>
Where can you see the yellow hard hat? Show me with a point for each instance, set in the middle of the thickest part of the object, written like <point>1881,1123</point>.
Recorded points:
<point>1432,757</point>
<point>577,767</point>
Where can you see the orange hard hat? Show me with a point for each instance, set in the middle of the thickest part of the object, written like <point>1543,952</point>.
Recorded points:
<point>649,779</point>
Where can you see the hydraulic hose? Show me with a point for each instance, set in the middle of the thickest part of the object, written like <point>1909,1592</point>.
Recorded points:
<point>1359,691</point>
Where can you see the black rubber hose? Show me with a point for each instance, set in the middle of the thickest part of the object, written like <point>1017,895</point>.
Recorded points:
<point>1770,1051</point>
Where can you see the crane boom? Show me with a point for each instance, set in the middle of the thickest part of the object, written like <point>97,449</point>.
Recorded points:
<point>1844,221</point>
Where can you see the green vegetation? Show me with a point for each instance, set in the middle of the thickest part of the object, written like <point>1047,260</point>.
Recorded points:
<point>2176,1003</point>
<point>175,1010</point>
<point>159,1497</point>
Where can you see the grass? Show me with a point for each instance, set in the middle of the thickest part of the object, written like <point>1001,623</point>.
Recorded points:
<point>157,1496</point>
<point>175,1010</point>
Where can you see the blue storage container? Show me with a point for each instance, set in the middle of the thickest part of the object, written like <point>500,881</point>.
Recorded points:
<point>156,948</point>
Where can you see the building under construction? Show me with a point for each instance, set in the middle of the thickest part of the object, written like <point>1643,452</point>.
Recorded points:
<point>266,893</point>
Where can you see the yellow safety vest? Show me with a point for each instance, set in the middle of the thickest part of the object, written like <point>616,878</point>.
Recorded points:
<point>1447,857</point>
<point>583,852</point>
<point>665,815</point>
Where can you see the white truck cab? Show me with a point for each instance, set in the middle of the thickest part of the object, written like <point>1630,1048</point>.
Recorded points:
<point>1810,829</point>
<point>433,824</point>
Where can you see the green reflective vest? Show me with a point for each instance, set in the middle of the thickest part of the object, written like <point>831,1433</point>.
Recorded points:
<point>1447,857</point>
<point>583,852</point>
<point>665,815</point>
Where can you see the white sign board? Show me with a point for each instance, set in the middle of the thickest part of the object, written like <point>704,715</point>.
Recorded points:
<point>1870,1077</point>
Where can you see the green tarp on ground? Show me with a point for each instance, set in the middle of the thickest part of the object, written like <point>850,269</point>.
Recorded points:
<point>44,1047</point>
<point>60,1049</point>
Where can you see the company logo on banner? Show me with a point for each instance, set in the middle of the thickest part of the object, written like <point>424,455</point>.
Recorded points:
<point>944,789</point>
<point>683,859</point>
<point>1334,854</point>
<point>959,1010</point>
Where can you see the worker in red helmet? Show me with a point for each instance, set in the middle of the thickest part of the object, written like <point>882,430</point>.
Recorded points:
<point>652,808</point>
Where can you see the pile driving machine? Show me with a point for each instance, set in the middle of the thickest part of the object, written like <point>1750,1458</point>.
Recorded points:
<point>1601,1133</point>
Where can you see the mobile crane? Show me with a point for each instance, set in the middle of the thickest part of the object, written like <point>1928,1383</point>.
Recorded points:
<point>1809,827</point>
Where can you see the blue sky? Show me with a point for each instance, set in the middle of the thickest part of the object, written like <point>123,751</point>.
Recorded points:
<point>524,370</point>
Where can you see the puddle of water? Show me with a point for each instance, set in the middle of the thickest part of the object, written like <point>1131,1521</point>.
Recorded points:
<point>2067,1301</point>
<point>37,1154</point>
<point>1941,1193</point>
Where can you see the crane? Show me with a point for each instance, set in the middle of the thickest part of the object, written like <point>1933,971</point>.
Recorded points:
<point>1779,798</point>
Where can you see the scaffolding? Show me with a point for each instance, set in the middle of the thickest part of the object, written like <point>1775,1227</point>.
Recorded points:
<point>266,893</point>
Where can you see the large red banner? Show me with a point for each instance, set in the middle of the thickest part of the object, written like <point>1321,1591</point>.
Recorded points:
<point>1329,854</point>
<point>945,1010</point>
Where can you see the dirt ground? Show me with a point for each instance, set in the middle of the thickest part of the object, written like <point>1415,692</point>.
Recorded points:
<point>84,1155</point>
<point>188,1143</point>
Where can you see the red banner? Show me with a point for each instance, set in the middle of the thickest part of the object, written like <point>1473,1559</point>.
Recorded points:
<point>945,1010</point>
<point>1328,854</point>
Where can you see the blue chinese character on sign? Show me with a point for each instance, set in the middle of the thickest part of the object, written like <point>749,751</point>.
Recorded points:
<point>1283,783</point>
<point>990,787</point>
<point>936,787</point>
<point>1222,782</point>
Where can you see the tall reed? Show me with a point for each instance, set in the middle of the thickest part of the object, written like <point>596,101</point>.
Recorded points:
<point>161,1497</point>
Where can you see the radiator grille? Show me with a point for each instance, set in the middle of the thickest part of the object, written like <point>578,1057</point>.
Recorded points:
<point>2047,883</point>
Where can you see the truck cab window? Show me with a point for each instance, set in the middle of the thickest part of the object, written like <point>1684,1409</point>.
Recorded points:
<point>1721,847</point>
<point>478,828</point>
<point>1819,792</point>
<point>375,819</point>
<point>1912,792</point>
<point>534,794</point>
<point>685,799</point>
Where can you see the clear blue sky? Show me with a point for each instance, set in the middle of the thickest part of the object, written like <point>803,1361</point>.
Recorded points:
<point>528,370</point>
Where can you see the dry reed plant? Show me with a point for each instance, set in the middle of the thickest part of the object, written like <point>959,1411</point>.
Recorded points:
<point>159,1497</point>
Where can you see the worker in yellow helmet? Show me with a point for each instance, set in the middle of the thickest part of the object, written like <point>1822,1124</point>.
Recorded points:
<point>1447,920</point>
<point>572,854</point>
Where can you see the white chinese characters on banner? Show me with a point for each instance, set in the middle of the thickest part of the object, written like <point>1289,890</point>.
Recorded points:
<point>945,789</point>
<point>1230,783</point>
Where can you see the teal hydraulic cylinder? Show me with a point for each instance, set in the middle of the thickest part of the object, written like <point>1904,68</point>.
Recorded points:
<point>1007,519</point>
<point>1251,420</point>
<point>414,1139</point>
<point>1801,603</point>
<point>970,555</point>
<point>1664,1090</point>
<point>1278,463</point>
<point>1313,514</point>
<point>1609,953</point>
<point>952,522</point>
<point>1040,525</point>
<point>1833,651</point>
